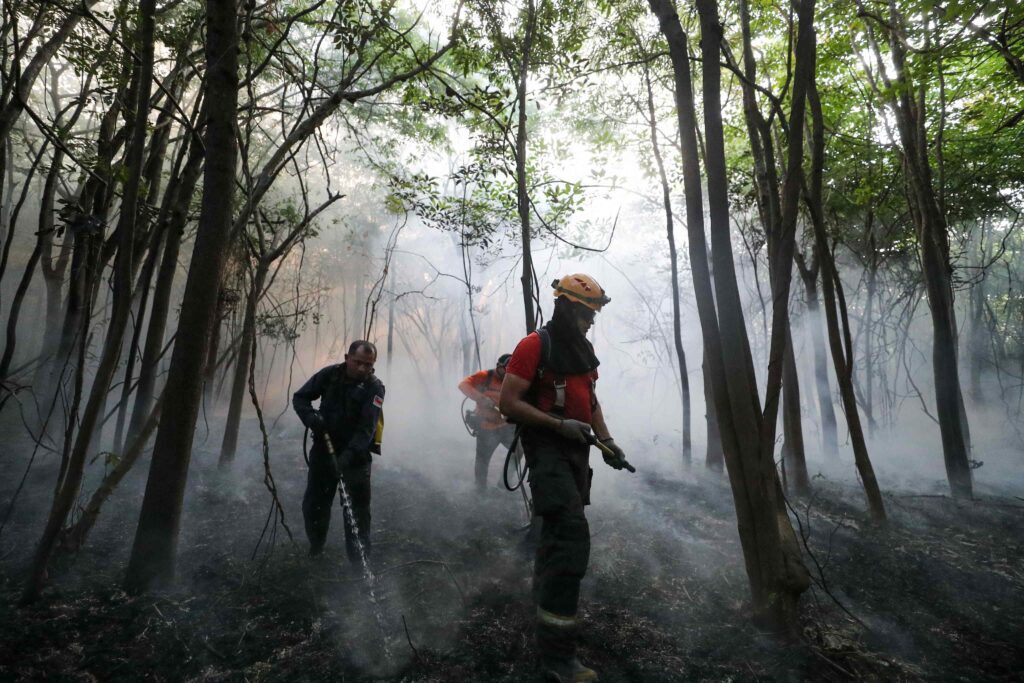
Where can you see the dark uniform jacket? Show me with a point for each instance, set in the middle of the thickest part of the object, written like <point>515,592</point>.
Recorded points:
<point>350,409</point>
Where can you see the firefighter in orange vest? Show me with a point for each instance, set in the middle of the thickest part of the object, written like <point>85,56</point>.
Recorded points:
<point>484,387</point>
<point>549,390</point>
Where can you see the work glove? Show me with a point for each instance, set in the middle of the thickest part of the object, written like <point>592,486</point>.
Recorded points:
<point>316,422</point>
<point>617,457</point>
<point>339,462</point>
<point>346,458</point>
<point>574,430</point>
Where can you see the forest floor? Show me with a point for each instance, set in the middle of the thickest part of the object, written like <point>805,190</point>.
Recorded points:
<point>937,594</point>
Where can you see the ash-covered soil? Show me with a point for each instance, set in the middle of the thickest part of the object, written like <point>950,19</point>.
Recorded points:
<point>937,594</point>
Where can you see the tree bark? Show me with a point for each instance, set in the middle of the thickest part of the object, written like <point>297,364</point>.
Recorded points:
<point>179,195</point>
<point>774,569</point>
<point>793,458</point>
<point>522,192</point>
<point>155,546</point>
<point>826,412</point>
<point>868,323</point>
<point>933,243</point>
<point>72,538</point>
<point>829,278</point>
<point>44,233</point>
<point>714,458</point>
<point>677,330</point>
<point>139,305</point>
<point>777,206</point>
<point>240,381</point>
<point>978,346</point>
<point>70,483</point>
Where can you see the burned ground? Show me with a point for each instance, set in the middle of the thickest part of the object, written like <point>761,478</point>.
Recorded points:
<point>937,594</point>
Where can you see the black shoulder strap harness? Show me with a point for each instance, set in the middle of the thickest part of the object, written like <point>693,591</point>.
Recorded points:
<point>542,366</point>
<point>531,396</point>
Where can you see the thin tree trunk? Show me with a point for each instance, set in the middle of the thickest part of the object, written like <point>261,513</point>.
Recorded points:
<point>177,208</point>
<point>72,538</point>
<point>71,481</point>
<point>778,211</point>
<point>53,278</point>
<point>794,460</point>
<point>776,573</point>
<point>391,324</point>
<point>867,324</point>
<point>826,412</point>
<point>933,243</point>
<point>522,192</point>
<point>86,225</point>
<point>778,576</point>
<point>44,233</point>
<point>141,301</point>
<point>829,278</point>
<point>978,347</point>
<point>714,458</point>
<point>154,550</point>
<point>677,330</point>
<point>211,389</point>
<point>240,382</point>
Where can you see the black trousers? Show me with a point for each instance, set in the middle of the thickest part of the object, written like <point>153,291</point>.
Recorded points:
<point>560,482</point>
<point>321,487</point>
<point>486,441</point>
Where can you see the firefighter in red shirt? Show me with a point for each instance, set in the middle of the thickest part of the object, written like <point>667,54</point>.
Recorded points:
<point>484,387</point>
<point>549,391</point>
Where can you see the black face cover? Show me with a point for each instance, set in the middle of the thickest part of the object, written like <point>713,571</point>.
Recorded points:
<point>571,353</point>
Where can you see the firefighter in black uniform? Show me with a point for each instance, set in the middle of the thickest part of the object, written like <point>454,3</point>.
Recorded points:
<point>351,397</point>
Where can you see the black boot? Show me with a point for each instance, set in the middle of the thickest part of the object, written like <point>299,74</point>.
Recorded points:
<point>566,670</point>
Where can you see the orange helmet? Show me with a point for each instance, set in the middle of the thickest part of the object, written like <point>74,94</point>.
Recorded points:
<point>581,288</point>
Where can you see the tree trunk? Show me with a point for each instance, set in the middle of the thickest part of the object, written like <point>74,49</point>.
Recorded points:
<point>867,324</point>
<point>714,458</point>
<point>933,243</point>
<point>54,271</point>
<point>211,388</point>
<point>829,279</point>
<point>240,381</point>
<point>72,538</point>
<point>677,330</point>
<point>70,483</point>
<point>140,305</point>
<point>776,573</point>
<point>154,549</point>
<point>177,204</point>
<point>522,192</point>
<point>391,324</point>
<point>978,346</point>
<point>794,460</point>
<point>85,230</point>
<point>45,233</point>
<point>778,211</point>
<point>826,412</point>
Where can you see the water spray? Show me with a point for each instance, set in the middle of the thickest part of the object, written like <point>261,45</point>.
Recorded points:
<point>368,576</point>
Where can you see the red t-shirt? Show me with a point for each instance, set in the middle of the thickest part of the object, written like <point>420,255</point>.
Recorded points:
<point>579,389</point>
